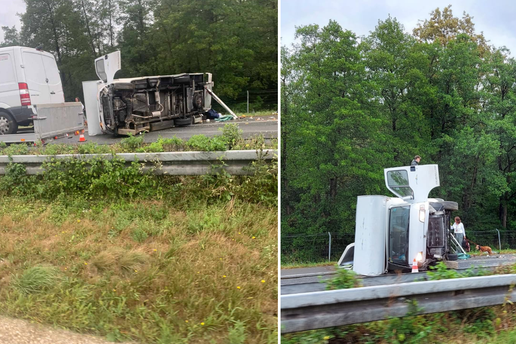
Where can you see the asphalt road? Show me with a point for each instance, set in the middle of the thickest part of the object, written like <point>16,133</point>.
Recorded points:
<point>251,126</point>
<point>307,280</point>
<point>475,261</point>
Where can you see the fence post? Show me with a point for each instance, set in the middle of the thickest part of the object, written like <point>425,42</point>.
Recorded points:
<point>247,101</point>
<point>499,241</point>
<point>329,248</point>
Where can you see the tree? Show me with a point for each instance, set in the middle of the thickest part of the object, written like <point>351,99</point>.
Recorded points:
<point>334,143</point>
<point>442,27</point>
<point>396,68</point>
<point>11,36</point>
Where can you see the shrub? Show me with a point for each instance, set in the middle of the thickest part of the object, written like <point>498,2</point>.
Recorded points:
<point>204,143</point>
<point>132,142</point>
<point>231,134</point>
<point>345,279</point>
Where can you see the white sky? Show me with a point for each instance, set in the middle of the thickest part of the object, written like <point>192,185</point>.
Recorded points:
<point>496,18</point>
<point>8,17</point>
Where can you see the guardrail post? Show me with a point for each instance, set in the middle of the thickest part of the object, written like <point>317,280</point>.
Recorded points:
<point>499,241</point>
<point>329,248</point>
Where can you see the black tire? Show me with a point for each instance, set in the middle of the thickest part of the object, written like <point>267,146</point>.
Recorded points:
<point>7,124</point>
<point>183,122</point>
<point>452,256</point>
<point>450,205</point>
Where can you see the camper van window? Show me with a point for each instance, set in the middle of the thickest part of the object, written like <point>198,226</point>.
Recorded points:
<point>398,234</point>
<point>101,72</point>
<point>398,183</point>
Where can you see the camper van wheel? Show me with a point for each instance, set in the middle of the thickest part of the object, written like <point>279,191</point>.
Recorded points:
<point>182,122</point>
<point>7,124</point>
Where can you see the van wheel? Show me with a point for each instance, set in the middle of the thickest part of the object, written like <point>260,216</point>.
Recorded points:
<point>7,124</point>
<point>452,256</point>
<point>182,122</point>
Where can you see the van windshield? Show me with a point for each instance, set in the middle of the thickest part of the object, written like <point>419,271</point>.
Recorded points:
<point>398,234</point>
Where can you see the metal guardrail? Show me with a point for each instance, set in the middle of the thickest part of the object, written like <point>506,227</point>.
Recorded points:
<point>301,312</point>
<point>235,162</point>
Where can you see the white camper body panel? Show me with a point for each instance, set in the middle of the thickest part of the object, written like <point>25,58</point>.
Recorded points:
<point>91,91</point>
<point>417,232</point>
<point>412,183</point>
<point>370,235</point>
<point>106,66</point>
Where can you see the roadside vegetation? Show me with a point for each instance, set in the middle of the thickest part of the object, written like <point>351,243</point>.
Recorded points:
<point>486,325</point>
<point>493,325</point>
<point>103,248</point>
<point>229,139</point>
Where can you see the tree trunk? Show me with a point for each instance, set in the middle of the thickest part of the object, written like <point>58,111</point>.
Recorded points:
<point>88,30</point>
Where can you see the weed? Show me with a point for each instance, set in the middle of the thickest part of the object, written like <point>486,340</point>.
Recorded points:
<point>231,134</point>
<point>17,149</point>
<point>345,279</point>
<point>237,333</point>
<point>441,271</point>
<point>139,235</point>
<point>132,142</point>
<point>204,143</point>
<point>36,279</point>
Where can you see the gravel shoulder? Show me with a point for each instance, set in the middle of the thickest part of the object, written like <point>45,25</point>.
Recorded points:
<point>15,331</point>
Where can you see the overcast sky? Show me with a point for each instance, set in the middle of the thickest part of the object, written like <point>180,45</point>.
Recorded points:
<point>496,18</point>
<point>8,17</point>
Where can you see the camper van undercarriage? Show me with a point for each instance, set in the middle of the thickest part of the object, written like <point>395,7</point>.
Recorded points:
<point>131,106</point>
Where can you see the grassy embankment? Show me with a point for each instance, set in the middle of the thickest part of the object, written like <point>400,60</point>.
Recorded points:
<point>100,248</point>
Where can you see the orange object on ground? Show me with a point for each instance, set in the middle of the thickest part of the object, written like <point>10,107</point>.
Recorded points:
<point>415,268</point>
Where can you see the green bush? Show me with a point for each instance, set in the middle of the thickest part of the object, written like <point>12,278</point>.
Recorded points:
<point>204,143</point>
<point>345,279</point>
<point>132,142</point>
<point>231,134</point>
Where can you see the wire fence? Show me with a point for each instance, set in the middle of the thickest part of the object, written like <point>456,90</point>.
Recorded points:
<point>321,247</point>
<point>250,101</point>
<point>314,248</point>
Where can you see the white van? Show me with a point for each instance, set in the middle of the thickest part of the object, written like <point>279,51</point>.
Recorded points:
<point>27,77</point>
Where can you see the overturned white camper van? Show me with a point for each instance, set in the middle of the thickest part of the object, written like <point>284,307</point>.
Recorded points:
<point>391,232</point>
<point>142,104</point>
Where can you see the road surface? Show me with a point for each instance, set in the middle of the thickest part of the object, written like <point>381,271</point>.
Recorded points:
<point>251,126</point>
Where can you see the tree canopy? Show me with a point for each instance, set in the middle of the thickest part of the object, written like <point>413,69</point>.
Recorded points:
<point>352,107</point>
<point>236,40</point>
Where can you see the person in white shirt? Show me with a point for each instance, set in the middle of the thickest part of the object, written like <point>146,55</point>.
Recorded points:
<point>458,230</point>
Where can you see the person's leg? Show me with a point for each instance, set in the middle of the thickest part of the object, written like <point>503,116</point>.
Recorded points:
<point>459,237</point>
